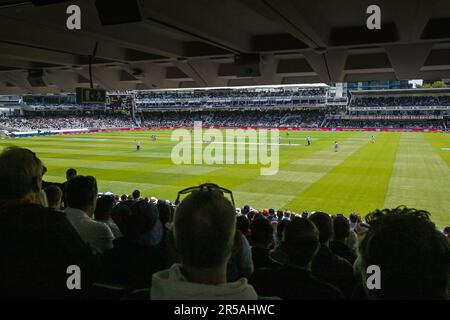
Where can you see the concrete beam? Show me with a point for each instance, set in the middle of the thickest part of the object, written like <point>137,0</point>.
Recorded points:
<point>407,66</point>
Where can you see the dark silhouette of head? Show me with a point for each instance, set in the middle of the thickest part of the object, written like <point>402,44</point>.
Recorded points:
<point>81,193</point>
<point>413,257</point>
<point>301,241</point>
<point>54,196</point>
<point>136,194</point>
<point>105,205</point>
<point>71,173</point>
<point>324,224</point>
<point>341,228</point>
<point>261,233</point>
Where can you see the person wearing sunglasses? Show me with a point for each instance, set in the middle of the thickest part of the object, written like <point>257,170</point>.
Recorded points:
<point>203,237</point>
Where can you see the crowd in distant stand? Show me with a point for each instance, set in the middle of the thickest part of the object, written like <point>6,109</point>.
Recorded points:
<point>58,122</point>
<point>404,101</point>
<point>300,118</point>
<point>273,118</point>
<point>426,124</point>
<point>204,248</point>
<point>227,94</point>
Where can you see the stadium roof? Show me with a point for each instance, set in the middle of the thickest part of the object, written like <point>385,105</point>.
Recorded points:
<point>179,44</point>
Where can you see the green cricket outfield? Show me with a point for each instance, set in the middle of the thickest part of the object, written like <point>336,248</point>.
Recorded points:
<point>398,169</point>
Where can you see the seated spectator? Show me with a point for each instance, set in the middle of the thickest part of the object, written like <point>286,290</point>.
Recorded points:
<point>326,265</point>
<point>136,195</point>
<point>446,231</point>
<point>103,209</point>
<point>242,224</point>
<point>245,210</point>
<point>166,217</point>
<point>251,214</point>
<point>37,245</point>
<point>280,228</point>
<point>136,255</point>
<point>45,184</point>
<point>42,199</point>
<point>414,258</point>
<point>54,196</point>
<point>203,234</point>
<point>341,228</point>
<point>81,201</point>
<point>240,264</point>
<point>279,215</point>
<point>70,174</point>
<point>295,280</point>
<point>261,237</point>
<point>165,211</point>
<point>271,214</point>
<point>278,254</point>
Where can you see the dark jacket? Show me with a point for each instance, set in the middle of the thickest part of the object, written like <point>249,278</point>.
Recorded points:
<point>132,265</point>
<point>292,283</point>
<point>333,269</point>
<point>261,259</point>
<point>343,251</point>
<point>37,246</point>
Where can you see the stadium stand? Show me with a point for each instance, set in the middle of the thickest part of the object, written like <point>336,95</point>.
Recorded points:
<point>58,122</point>
<point>166,64</point>
<point>186,255</point>
<point>134,247</point>
<point>305,106</point>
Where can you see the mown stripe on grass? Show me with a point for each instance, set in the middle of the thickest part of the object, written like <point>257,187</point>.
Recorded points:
<point>420,179</point>
<point>357,184</point>
<point>295,177</point>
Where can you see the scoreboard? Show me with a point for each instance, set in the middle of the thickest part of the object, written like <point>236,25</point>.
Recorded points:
<point>87,95</point>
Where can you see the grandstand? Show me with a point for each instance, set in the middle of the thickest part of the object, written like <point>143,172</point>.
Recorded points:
<point>427,109</point>
<point>293,106</point>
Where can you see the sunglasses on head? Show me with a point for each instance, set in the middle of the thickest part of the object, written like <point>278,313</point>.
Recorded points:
<point>207,187</point>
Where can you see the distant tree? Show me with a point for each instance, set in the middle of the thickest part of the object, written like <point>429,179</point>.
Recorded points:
<point>438,84</point>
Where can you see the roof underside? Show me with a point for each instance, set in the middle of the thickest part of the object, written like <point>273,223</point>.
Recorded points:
<point>181,44</point>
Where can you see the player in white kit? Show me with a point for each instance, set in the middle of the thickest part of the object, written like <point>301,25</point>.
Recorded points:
<point>138,145</point>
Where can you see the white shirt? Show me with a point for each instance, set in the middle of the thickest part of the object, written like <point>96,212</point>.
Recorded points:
<point>138,142</point>
<point>114,228</point>
<point>96,234</point>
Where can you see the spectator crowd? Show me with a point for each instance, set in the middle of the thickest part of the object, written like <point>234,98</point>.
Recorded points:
<point>308,118</point>
<point>61,122</point>
<point>404,101</point>
<point>202,247</point>
<point>221,98</point>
